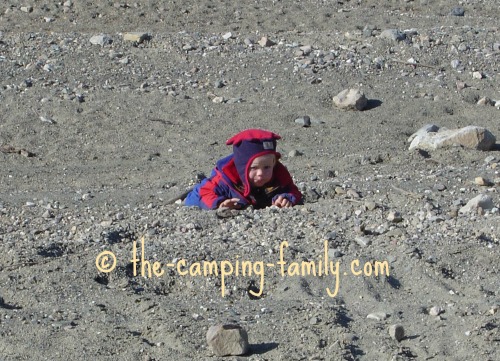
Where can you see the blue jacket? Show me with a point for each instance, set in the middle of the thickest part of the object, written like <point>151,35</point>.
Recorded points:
<point>225,183</point>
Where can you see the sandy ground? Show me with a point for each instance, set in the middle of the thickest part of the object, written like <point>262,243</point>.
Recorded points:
<point>111,132</point>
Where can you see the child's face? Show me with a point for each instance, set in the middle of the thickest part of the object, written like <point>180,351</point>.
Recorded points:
<point>261,170</point>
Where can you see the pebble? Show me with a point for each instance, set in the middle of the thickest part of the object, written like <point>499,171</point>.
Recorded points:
<point>26,9</point>
<point>101,40</point>
<point>370,205</point>
<point>394,217</point>
<point>455,63</point>
<point>480,181</point>
<point>265,42</point>
<point>435,311</point>
<point>136,37</point>
<point>440,187</point>
<point>477,75</point>
<point>294,153</point>
<point>377,316</point>
<point>457,11</point>
<point>227,36</point>
<point>397,332</point>
<point>393,34</point>
<point>304,121</point>
<point>362,241</point>
<point>353,194</point>
<point>485,101</point>
<point>227,340</point>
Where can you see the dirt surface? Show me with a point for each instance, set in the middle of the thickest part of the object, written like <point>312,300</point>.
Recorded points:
<point>96,139</point>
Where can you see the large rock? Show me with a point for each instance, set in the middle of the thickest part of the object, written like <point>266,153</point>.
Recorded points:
<point>350,99</point>
<point>471,137</point>
<point>226,340</point>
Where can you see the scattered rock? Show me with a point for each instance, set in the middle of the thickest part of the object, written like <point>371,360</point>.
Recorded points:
<point>393,34</point>
<point>227,340</point>
<point>304,121</point>
<point>485,101</point>
<point>101,40</point>
<point>480,181</point>
<point>394,217</point>
<point>477,75</point>
<point>457,11</point>
<point>377,316</point>
<point>397,332</point>
<point>362,241</point>
<point>350,99</point>
<point>435,311</point>
<point>471,137</point>
<point>136,37</point>
<point>265,42</point>
<point>370,205</point>
<point>27,9</point>
<point>294,153</point>
<point>483,201</point>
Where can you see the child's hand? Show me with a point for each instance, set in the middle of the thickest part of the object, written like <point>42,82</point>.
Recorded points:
<point>230,203</point>
<point>282,202</point>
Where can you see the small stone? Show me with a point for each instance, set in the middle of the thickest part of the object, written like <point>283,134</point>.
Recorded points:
<point>353,194</point>
<point>494,309</point>
<point>457,11</point>
<point>440,187</point>
<point>248,42</point>
<point>340,190</point>
<point>314,321</point>
<point>350,99</point>
<point>485,101</point>
<point>489,159</point>
<point>188,47</point>
<point>218,100</point>
<point>377,316</point>
<point>219,84</point>
<point>370,205</point>
<point>455,63</point>
<point>304,121</point>
<point>477,75</point>
<point>47,120</point>
<point>362,241</point>
<point>435,311</point>
<point>393,34</point>
<point>397,332</point>
<point>106,223</point>
<point>197,317</point>
<point>480,181</point>
<point>265,42</point>
<point>227,340</point>
<point>136,37</point>
<point>47,214</point>
<point>294,153</point>
<point>227,36</point>
<point>306,50</point>
<point>394,217</point>
<point>26,9</point>
<point>101,40</point>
